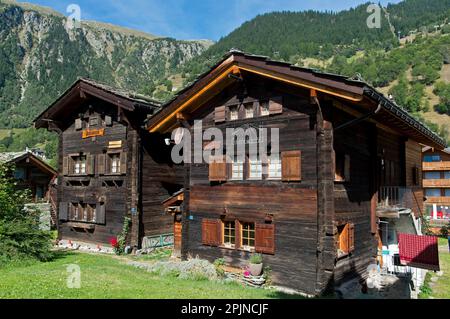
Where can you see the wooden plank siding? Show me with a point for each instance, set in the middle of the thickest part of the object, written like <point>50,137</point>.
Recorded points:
<point>292,205</point>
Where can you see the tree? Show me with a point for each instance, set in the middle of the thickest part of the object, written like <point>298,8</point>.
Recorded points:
<point>20,236</point>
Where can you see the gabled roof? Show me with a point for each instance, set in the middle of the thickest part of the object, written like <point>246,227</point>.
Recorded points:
<point>70,100</point>
<point>427,148</point>
<point>16,157</point>
<point>352,90</point>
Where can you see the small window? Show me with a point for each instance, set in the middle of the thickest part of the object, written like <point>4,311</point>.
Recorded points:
<point>264,108</point>
<point>446,175</point>
<point>432,175</point>
<point>447,193</point>
<point>234,113</point>
<point>433,192</point>
<point>249,111</point>
<point>79,167</point>
<point>255,168</point>
<point>20,173</point>
<point>248,236</point>
<point>93,121</point>
<point>275,170</point>
<point>229,234</point>
<point>237,170</point>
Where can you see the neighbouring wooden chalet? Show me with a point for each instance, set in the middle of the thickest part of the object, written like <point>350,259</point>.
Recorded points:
<point>110,167</point>
<point>347,154</point>
<point>31,173</point>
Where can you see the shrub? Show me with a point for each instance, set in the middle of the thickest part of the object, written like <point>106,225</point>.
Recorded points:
<point>219,263</point>
<point>194,269</point>
<point>445,230</point>
<point>256,259</point>
<point>20,236</point>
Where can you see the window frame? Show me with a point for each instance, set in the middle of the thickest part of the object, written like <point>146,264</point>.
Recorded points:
<point>233,112</point>
<point>247,108</point>
<point>251,164</point>
<point>234,162</point>
<point>229,244</point>
<point>269,170</point>
<point>80,161</point>
<point>242,238</point>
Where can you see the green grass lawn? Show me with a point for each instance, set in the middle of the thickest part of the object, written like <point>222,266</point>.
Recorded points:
<point>107,277</point>
<point>441,288</point>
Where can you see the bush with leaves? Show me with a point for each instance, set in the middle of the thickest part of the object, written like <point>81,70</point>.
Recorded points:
<point>20,236</point>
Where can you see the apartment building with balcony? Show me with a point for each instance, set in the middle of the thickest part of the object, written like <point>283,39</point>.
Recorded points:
<point>436,184</point>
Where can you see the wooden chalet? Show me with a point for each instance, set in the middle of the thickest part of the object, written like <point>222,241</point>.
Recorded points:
<point>32,173</point>
<point>104,152</point>
<point>347,155</point>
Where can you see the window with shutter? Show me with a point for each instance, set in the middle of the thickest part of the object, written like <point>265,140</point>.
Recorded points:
<point>218,169</point>
<point>276,105</point>
<point>265,238</point>
<point>100,217</point>
<point>211,232</point>
<point>65,170</point>
<point>291,166</point>
<point>78,124</point>
<point>108,120</point>
<point>351,237</point>
<point>101,158</point>
<point>346,239</point>
<point>63,211</point>
<point>123,163</point>
<point>220,114</point>
<point>90,167</point>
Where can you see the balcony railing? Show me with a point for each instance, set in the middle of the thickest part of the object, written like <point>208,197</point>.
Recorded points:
<point>436,183</point>
<point>436,166</point>
<point>397,198</point>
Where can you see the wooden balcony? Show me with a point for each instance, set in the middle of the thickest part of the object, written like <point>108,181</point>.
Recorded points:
<point>436,183</point>
<point>393,199</point>
<point>436,166</point>
<point>441,200</point>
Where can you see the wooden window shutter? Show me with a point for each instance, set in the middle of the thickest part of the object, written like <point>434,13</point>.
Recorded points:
<point>123,163</point>
<point>218,170</point>
<point>351,237</point>
<point>265,238</point>
<point>65,170</point>
<point>238,234</point>
<point>211,232</point>
<point>100,216</point>
<point>291,166</point>
<point>347,168</point>
<point>90,164</point>
<point>220,114</point>
<point>276,105</point>
<point>63,211</point>
<point>78,124</point>
<point>101,164</point>
<point>344,239</point>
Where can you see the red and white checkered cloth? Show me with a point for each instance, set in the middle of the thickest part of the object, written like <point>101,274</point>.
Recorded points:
<point>419,251</point>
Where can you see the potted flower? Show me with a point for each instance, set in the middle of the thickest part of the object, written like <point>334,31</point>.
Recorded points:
<point>256,265</point>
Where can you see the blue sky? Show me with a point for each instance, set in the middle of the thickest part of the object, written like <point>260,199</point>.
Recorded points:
<point>189,19</point>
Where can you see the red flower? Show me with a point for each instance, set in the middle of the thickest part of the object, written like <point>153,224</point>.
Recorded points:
<point>114,243</point>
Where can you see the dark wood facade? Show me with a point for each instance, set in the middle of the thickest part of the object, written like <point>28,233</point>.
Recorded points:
<point>316,223</point>
<point>103,154</point>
